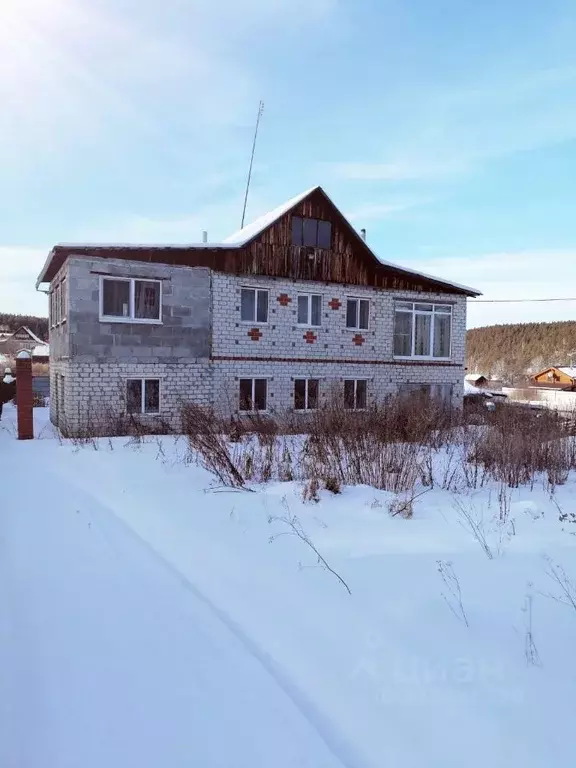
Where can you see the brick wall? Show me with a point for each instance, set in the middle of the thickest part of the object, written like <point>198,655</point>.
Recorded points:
<point>282,350</point>
<point>87,397</point>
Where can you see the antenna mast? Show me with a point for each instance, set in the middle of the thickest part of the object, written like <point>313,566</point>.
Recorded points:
<point>260,110</point>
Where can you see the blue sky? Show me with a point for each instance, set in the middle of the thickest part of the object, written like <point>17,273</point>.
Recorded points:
<point>446,128</point>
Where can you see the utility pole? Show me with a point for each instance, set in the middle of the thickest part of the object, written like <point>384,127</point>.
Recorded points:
<point>260,111</point>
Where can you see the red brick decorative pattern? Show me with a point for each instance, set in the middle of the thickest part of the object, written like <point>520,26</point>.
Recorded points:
<point>335,304</point>
<point>309,337</point>
<point>358,339</point>
<point>255,334</point>
<point>284,299</point>
<point>25,398</point>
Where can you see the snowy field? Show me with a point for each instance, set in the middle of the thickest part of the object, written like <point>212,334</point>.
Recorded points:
<point>147,620</point>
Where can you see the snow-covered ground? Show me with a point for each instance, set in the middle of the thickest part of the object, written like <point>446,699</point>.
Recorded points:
<point>147,620</point>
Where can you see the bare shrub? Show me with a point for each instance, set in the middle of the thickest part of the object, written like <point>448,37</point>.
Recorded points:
<point>205,436</point>
<point>294,527</point>
<point>310,490</point>
<point>530,650</point>
<point>454,597</point>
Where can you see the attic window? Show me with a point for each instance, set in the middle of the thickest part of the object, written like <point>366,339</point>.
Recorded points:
<point>315,233</point>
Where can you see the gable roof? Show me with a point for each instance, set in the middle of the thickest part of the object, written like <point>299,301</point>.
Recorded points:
<point>207,254</point>
<point>27,331</point>
<point>568,371</point>
<point>249,232</point>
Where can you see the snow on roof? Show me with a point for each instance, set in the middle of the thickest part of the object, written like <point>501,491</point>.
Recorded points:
<point>247,233</point>
<point>42,350</point>
<point>569,372</point>
<point>242,236</point>
<point>474,376</point>
<point>33,335</point>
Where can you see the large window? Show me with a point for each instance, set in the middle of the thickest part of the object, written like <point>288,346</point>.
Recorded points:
<point>312,232</point>
<point>254,305</point>
<point>131,300</point>
<point>253,395</point>
<point>355,394</point>
<point>309,309</point>
<point>422,330</point>
<point>306,394</point>
<point>143,396</point>
<point>357,312</point>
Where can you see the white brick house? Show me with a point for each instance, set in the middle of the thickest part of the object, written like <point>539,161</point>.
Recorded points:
<point>285,314</point>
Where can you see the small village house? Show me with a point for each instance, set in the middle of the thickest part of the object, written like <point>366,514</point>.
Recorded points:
<point>476,379</point>
<point>278,317</point>
<point>12,342</point>
<point>561,377</point>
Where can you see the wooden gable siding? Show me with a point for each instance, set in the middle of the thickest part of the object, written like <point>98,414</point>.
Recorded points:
<point>348,261</point>
<point>271,253</point>
<point>557,377</point>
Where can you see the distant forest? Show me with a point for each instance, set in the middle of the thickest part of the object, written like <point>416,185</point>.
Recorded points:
<point>513,352</point>
<point>38,325</point>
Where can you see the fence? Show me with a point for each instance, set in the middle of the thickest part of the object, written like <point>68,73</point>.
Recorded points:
<point>548,398</point>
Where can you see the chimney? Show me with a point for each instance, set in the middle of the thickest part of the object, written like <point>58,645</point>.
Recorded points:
<point>204,236</point>
<point>363,234</point>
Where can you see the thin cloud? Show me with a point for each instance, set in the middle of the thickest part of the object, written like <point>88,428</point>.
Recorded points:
<point>19,268</point>
<point>528,274</point>
<point>375,211</point>
<point>448,132</point>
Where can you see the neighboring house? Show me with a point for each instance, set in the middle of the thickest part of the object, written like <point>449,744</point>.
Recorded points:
<point>41,353</point>
<point>13,342</point>
<point>288,312</point>
<point>562,377</point>
<point>476,379</point>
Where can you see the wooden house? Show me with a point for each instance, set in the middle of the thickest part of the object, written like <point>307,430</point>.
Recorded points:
<point>561,377</point>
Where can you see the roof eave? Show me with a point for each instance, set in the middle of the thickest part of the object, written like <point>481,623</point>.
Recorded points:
<point>42,275</point>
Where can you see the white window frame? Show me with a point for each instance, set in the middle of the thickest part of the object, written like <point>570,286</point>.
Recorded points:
<point>64,300</point>
<point>431,313</point>
<point>255,321</point>
<point>356,379</point>
<point>143,380</point>
<point>357,299</point>
<point>131,318</point>
<point>308,323</point>
<point>306,379</point>
<point>253,379</point>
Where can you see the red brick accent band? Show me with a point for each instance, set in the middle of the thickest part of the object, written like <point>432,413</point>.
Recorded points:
<point>338,360</point>
<point>24,398</point>
<point>255,334</point>
<point>284,299</point>
<point>335,304</point>
<point>309,337</point>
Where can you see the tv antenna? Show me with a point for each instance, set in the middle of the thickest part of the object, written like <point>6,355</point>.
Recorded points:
<point>260,111</point>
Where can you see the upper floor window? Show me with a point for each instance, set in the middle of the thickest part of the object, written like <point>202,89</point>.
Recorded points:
<point>130,300</point>
<point>313,232</point>
<point>357,312</point>
<point>422,330</point>
<point>254,305</point>
<point>310,309</point>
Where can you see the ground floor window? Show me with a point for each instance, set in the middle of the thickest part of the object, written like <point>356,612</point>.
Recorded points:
<point>440,392</point>
<point>306,394</point>
<point>143,396</point>
<point>355,394</point>
<point>253,394</point>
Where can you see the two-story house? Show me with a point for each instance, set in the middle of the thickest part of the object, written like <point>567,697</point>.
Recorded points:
<point>291,311</point>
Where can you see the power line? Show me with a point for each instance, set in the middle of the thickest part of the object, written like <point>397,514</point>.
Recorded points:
<point>515,301</point>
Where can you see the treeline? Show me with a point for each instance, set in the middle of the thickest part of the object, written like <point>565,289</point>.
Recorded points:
<point>514,352</point>
<point>38,325</point>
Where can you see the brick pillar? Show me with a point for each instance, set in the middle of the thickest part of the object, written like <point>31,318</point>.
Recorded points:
<point>24,396</point>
